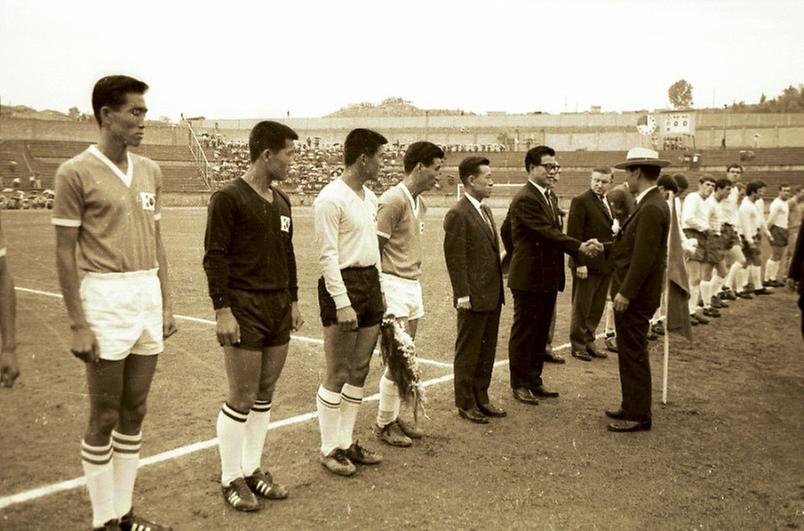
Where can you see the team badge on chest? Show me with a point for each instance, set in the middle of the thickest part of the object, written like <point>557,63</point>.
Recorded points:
<point>284,222</point>
<point>148,200</point>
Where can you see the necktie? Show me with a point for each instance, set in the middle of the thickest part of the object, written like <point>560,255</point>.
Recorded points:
<point>605,204</point>
<point>486,216</point>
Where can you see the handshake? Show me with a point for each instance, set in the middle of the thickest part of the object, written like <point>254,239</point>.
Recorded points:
<point>591,248</point>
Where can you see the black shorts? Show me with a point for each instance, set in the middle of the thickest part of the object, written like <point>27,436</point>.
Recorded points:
<point>263,317</point>
<point>779,237</point>
<point>729,236</point>
<point>363,287</point>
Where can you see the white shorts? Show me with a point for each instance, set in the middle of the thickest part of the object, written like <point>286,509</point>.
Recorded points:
<point>124,310</point>
<point>403,297</point>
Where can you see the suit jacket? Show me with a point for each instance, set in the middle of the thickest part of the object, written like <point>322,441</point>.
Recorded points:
<point>472,253</point>
<point>535,244</point>
<point>640,252</point>
<point>797,262</point>
<point>589,218</point>
<point>622,202</point>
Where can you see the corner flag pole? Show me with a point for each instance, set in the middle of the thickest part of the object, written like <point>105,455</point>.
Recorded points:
<point>666,299</point>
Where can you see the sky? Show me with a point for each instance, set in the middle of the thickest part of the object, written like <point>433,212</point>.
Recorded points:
<point>250,59</point>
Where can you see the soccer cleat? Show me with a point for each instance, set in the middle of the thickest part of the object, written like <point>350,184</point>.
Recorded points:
<point>700,318</point>
<point>362,456</point>
<point>132,522</point>
<point>611,343</point>
<point>111,525</point>
<point>762,291</point>
<point>392,434</point>
<point>745,294</point>
<point>717,303</point>
<point>711,312</point>
<point>411,430</point>
<point>658,328</point>
<point>239,496</point>
<point>337,463</point>
<point>262,484</point>
<point>728,295</point>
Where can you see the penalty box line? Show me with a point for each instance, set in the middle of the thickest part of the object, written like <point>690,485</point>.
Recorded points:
<point>189,318</point>
<point>62,486</point>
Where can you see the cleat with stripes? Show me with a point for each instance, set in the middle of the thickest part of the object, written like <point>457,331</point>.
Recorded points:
<point>262,484</point>
<point>361,455</point>
<point>239,496</point>
<point>337,463</point>
<point>132,522</point>
<point>111,525</point>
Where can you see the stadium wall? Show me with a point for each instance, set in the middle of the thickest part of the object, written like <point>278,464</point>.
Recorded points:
<point>33,129</point>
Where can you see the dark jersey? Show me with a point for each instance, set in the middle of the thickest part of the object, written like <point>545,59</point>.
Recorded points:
<point>248,243</point>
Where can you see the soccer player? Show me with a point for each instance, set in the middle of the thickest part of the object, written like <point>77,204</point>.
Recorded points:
<point>349,297</point>
<point>777,222</point>
<point>251,269</point>
<point>732,246</point>
<point>107,207</point>
<point>400,225</point>
<point>9,368</point>
<point>715,261</point>
<point>750,224</point>
<point>695,223</point>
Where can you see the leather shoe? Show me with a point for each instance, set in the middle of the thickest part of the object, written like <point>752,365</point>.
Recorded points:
<point>624,426</point>
<point>490,410</point>
<point>595,353</point>
<point>618,414</point>
<point>523,394</point>
<point>581,355</point>
<point>549,357</point>
<point>473,415</point>
<point>541,391</point>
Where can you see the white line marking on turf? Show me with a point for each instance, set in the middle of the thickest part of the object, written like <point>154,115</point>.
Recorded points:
<point>53,488</point>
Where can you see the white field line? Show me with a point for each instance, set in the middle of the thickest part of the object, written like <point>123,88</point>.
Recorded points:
<point>303,339</point>
<point>53,488</point>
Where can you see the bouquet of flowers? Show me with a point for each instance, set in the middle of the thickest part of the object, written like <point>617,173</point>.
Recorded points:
<point>399,356</point>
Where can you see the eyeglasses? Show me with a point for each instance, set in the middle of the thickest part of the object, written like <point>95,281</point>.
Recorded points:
<point>551,166</point>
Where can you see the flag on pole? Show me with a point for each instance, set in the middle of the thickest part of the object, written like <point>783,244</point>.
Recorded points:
<point>678,295</point>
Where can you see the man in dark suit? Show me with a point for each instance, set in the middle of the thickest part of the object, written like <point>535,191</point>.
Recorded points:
<point>640,255</point>
<point>472,253</point>
<point>796,274</point>
<point>590,216</point>
<point>536,246</point>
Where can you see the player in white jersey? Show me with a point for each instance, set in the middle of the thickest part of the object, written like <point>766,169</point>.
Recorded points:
<point>777,222</point>
<point>400,226</point>
<point>107,208</point>
<point>716,262</point>
<point>9,368</point>
<point>349,297</point>
<point>735,260</point>
<point>695,221</point>
<point>750,226</point>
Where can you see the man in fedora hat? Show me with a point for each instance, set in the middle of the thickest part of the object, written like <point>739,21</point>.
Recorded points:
<point>639,254</point>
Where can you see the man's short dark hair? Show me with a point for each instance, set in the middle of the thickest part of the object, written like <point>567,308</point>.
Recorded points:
<point>534,156</point>
<point>110,91</point>
<point>799,188</point>
<point>720,184</point>
<point>268,135</point>
<point>783,185</point>
<point>470,166</point>
<point>668,183</point>
<point>753,187</point>
<point>424,152</point>
<point>706,178</point>
<point>361,142</point>
<point>734,165</point>
<point>602,169</point>
<point>681,181</point>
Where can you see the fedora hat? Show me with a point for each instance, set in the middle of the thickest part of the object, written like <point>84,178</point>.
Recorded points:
<point>640,156</point>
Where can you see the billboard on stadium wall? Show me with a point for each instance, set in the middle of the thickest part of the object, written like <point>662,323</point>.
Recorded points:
<point>676,123</point>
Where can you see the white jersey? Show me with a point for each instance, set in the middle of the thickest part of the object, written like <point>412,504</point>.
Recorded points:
<point>716,215</point>
<point>779,212</point>
<point>731,208</point>
<point>749,219</point>
<point>695,213</point>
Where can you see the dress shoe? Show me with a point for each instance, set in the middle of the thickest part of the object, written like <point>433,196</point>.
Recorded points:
<point>618,414</point>
<point>490,410</point>
<point>595,353</point>
<point>549,357</point>
<point>611,343</point>
<point>624,426</point>
<point>473,415</point>
<point>581,355</point>
<point>524,395</point>
<point>541,391</point>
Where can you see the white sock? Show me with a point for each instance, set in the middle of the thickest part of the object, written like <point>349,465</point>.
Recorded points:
<point>328,404</point>
<point>99,472</point>
<point>254,440</point>
<point>694,291</point>
<point>231,432</point>
<point>388,410</point>
<point>125,459</point>
<point>756,277</point>
<point>732,275</point>
<point>706,294</point>
<point>351,398</point>
<point>608,329</point>
<point>742,278</point>
<point>716,283</point>
<point>771,269</point>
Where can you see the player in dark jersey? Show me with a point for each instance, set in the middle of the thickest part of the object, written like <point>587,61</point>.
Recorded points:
<point>251,271</point>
